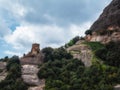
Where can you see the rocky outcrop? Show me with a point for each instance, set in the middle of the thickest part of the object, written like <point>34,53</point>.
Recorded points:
<point>117,87</point>
<point>37,88</point>
<point>81,52</point>
<point>29,74</point>
<point>107,27</point>
<point>2,65</point>
<point>3,72</point>
<point>29,63</point>
<point>114,36</point>
<point>110,18</point>
<point>3,75</point>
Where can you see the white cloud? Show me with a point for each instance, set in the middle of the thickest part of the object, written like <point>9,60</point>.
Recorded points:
<point>4,30</point>
<point>19,10</point>
<point>14,7</point>
<point>34,22</point>
<point>46,35</point>
<point>79,29</point>
<point>12,53</point>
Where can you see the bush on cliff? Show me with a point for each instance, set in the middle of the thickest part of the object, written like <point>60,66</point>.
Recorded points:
<point>51,54</point>
<point>13,80</point>
<point>110,54</point>
<point>72,41</point>
<point>71,74</point>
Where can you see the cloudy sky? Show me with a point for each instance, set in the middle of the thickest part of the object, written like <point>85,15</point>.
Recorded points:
<point>48,22</point>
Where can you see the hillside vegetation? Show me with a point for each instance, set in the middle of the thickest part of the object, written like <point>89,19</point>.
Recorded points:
<point>13,81</point>
<point>63,73</point>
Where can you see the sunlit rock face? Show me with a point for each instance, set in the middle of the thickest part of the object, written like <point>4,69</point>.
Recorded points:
<point>29,74</point>
<point>81,52</point>
<point>114,36</point>
<point>29,63</point>
<point>29,69</point>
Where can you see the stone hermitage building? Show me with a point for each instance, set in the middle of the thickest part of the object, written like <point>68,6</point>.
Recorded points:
<point>34,56</point>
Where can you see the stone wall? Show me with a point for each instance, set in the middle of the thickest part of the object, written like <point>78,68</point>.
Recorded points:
<point>35,60</point>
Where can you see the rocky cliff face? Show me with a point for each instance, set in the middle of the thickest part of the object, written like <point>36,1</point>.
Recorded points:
<point>107,27</point>
<point>115,36</point>
<point>81,52</point>
<point>109,18</point>
<point>30,68</point>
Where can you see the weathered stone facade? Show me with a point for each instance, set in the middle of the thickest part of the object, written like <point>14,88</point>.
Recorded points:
<point>33,57</point>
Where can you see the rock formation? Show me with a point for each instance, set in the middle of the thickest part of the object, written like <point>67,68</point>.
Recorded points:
<point>107,27</point>
<point>117,87</point>
<point>81,52</point>
<point>30,68</point>
<point>110,18</point>
<point>114,36</point>
<point>3,72</point>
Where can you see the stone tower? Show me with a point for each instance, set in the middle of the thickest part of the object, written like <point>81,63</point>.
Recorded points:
<point>35,49</point>
<point>34,56</point>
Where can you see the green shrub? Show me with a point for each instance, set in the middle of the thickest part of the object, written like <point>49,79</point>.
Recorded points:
<point>110,54</point>
<point>63,73</point>
<point>94,45</point>
<point>73,41</point>
<point>88,32</point>
<point>13,80</point>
